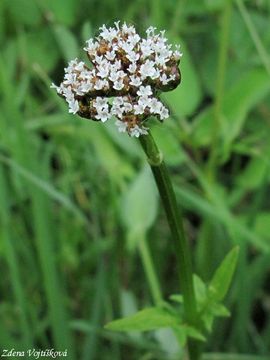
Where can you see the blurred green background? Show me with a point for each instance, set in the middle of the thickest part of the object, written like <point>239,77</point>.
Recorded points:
<point>77,198</point>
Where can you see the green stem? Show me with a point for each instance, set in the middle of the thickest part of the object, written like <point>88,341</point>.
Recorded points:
<point>221,72</point>
<point>175,221</point>
<point>150,271</point>
<point>254,35</point>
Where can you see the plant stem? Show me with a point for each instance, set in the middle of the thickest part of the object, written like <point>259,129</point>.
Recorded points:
<point>254,35</point>
<point>175,221</point>
<point>150,270</point>
<point>221,73</point>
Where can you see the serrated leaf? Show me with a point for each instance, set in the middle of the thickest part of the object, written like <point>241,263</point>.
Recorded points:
<point>144,320</point>
<point>222,278</point>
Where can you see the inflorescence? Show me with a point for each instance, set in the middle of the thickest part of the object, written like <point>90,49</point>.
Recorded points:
<point>127,75</point>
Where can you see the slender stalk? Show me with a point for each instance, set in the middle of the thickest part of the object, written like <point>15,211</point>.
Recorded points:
<point>150,271</point>
<point>175,221</point>
<point>221,72</point>
<point>254,35</point>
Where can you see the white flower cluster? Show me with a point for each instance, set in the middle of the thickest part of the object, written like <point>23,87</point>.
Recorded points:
<point>127,74</point>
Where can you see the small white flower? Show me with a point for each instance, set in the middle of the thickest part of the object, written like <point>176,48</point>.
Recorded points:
<point>98,59</point>
<point>73,106</point>
<point>67,92</point>
<point>57,88</point>
<point>134,39</point>
<point>155,106</point>
<point>100,84</point>
<point>177,53</point>
<point>145,91</point>
<point>110,55</point>
<point>146,48</point>
<point>164,79</point>
<point>83,88</point>
<point>132,68</point>
<point>101,103</point>
<point>128,29</point>
<point>118,101</point>
<point>118,85</point>
<point>133,56</point>
<point>117,111</point>
<point>108,34</point>
<point>139,109</point>
<point>91,46</point>
<point>150,31</point>
<point>70,78</point>
<point>121,74</point>
<point>172,77</point>
<point>103,115</point>
<point>144,100</point>
<point>135,81</point>
<point>128,47</point>
<point>147,69</point>
<point>164,113</point>
<point>113,76</point>
<point>136,131</point>
<point>127,107</point>
<point>103,69</point>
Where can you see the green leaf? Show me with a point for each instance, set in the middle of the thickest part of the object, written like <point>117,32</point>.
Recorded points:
<point>247,92</point>
<point>64,11</point>
<point>194,333</point>
<point>222,356</point>
<point>252,176</point>
<point>38,45</point>
<point>24,12</point>
<point>168,142</point>
<point>140,205</point>
<point>222,278</point>
<point>262,224</point>
<point>87,31</point>
<point>177,298</point>
<point>200,290</point>
<point>184,331</point>
<point>144,320</point>
<point>186,97</point>
<point>214,5</point>
<point>66,41</point>
<point>208,320</point>
<point>220,310</point>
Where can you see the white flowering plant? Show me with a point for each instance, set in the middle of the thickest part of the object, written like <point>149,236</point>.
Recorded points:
<point>126,75</point>
<point>124,79</point>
